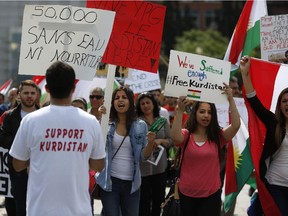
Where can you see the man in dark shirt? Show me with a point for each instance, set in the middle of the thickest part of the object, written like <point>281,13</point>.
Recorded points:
<point>27,94</point>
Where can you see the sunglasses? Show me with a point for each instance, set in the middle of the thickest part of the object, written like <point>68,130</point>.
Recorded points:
<point>95,96</point>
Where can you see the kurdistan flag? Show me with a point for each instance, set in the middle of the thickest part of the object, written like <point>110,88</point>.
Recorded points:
<point>246,35</point>
<point>245,38</point>
<point>268,86</point>
<point>239,165</point>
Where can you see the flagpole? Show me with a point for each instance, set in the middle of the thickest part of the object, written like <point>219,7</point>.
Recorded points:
<point>107,99</point>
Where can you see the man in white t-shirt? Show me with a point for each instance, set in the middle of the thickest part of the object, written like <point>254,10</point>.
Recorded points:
<point>60,143</point>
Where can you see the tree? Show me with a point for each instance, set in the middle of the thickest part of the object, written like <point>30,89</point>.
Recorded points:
<point>208,43</point>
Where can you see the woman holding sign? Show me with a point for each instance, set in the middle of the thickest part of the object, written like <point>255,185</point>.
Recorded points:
<point>153,175</point>
<point>273,162</point>
<point>128,142</point>
<point>199,181</point>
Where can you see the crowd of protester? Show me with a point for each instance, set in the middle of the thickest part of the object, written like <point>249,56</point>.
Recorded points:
<point>53,146</point>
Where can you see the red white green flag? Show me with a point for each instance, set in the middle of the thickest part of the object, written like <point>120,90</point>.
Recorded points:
<point>6,86</point>
<point>245,38</point>
<point>193,93</point>
<point>268,85</point>
<point>40,81</point>
<point>239,166</point>
<point>246,35</point>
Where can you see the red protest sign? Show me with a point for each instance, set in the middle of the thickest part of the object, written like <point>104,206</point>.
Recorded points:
<point>136,37</point>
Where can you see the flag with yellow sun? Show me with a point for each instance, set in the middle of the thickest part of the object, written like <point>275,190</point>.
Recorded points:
<point>239,165</point>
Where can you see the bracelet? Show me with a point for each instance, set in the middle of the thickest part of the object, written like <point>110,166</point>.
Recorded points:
<point>251,94</point>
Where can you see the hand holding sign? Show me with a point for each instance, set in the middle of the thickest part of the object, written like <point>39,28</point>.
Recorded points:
<point>199,77</point>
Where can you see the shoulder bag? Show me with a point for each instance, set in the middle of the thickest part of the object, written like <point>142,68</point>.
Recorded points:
<point>171,205</point>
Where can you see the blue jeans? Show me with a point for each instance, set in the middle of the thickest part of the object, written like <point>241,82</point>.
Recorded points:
<point>280,196</point>
<point>120,199</point>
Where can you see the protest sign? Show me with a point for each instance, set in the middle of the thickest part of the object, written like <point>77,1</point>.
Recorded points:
<point>274,40</point>
<point>5,185</point>
<point>141,81</point>
<point>137,33</point>
<point>83,87</point>
<point>223,112</point>
<point>74,35</point>
<point>197,77</point>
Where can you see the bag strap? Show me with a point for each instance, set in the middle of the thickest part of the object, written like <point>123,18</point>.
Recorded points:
<point>119,147</point>
<point>182,154</point>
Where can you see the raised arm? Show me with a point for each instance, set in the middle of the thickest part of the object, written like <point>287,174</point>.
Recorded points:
<point>244,66</point>
<point>230,131</point>
<point>262,112</point>
<point>176,134</point>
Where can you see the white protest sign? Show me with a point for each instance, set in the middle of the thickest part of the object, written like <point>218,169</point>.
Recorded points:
<point>141,81</point>
<point>223,112</point>
<point>83,87</point>
<point>197,77</point>
<point>5,188</point>
<point>274,42</point>
<point>74,35</point>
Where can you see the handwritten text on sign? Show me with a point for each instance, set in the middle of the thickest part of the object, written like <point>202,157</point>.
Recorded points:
<point>141,81</point>
<point>137,33</point>
<point>198,77</point>
<point>77,36</point>
<point>274,35</point>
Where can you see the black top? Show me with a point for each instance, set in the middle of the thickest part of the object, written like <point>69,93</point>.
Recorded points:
<point>268,119</point>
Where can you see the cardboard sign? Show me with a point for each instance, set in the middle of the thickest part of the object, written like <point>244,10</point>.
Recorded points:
<point>141,81</point>
<point>274,41</point>
<point>197,77</point>
<point>137,33</point>
<point>5,184</point>
<point>74,35</point>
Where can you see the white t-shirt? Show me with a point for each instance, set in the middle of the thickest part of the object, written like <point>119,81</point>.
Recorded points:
<point>58,141</point>
<point>164,113</point>
<point>123,160</point>
<point>277,174</point>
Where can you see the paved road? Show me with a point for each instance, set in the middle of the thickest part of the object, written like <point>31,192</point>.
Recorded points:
<point>243,201</point>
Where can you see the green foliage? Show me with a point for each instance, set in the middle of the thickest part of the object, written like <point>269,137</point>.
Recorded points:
<point>208,43</point>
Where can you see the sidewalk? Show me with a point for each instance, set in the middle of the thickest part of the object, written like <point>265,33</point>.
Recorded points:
<point>243,202</point>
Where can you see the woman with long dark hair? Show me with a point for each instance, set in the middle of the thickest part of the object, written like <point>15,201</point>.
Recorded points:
<point>128,142</point>
<point>199,181</point>
<point>153,176</point>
